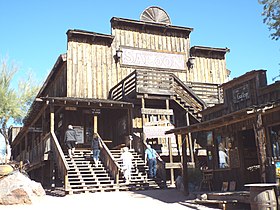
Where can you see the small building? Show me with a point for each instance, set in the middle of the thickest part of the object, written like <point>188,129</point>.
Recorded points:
<point>244,131</point>
<point>141,80</point>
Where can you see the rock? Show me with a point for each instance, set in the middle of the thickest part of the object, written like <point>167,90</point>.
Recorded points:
<point>5,170</point>
<point>17,188</point>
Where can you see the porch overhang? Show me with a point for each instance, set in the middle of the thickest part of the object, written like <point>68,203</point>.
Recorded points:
<point>85,102</point>
<point>93,103</point>
<point>229,119</point>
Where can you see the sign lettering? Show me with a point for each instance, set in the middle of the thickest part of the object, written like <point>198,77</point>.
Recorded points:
<point>143,58</point>
<point>241,93</point>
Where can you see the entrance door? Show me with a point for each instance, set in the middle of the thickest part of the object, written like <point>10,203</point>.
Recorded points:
<point>250,157</point>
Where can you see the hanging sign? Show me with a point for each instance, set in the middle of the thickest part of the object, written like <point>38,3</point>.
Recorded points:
<point>96,111</point>
<point>157,131</point>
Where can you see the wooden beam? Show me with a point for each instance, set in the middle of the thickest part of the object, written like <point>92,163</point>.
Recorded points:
<point>51,118</point>
<point>173,165</point>
<point>95,123</point>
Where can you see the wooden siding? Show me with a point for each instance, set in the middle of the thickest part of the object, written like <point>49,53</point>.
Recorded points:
<point>90,71</point>
<point>55,84</point>
<point>169,42</point>
<point>246,88</point>
<point>58,87</point>
<point>209,70</point>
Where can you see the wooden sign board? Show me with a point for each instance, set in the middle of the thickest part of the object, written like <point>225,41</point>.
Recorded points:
<point>80,134</point>
<point>145,58</point>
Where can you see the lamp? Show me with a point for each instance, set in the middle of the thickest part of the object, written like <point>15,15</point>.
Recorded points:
<point>118,54</point>
<point>190,62</point>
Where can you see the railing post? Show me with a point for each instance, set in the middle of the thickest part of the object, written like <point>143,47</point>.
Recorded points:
<point>117,180</point>
<point>123,89</point>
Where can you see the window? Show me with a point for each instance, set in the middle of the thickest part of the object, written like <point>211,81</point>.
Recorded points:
<point>224,145</point>
<point>275,140</point>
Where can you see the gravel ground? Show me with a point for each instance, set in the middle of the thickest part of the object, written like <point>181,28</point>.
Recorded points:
<point>149,199</point>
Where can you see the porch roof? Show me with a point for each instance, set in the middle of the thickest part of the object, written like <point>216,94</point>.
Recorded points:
<point>40,102</point>
<point>85,102</point>
<point>228,119</point>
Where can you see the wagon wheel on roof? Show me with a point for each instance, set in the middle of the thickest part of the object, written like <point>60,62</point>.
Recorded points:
<point>155,14</point>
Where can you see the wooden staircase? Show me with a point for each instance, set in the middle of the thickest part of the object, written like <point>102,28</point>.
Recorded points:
<point>84,176</point>
<point>139,174</point>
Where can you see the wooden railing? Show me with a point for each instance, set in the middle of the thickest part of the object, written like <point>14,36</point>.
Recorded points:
<point>42,151</point>
<point>60,160</point>
<point>36,154</point>
<point>210,93</point>
<point>140,81</point>
<point>156,83</point>
<point>109,162</point>
<point>124,87</point>
<point>188,95</point>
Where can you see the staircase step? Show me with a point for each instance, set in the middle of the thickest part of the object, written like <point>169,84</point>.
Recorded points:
<point>84,177</point>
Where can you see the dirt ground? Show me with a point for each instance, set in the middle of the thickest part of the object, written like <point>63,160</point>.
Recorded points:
<point>164,199</point>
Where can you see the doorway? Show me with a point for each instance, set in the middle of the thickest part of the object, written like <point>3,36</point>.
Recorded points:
<point>251,165</point>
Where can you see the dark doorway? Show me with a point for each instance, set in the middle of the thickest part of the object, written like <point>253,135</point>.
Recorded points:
<point>250,157</point>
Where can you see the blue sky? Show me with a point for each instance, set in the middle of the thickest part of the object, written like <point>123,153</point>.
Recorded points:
<point>33,32</point>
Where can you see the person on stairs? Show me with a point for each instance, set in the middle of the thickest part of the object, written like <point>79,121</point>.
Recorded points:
<point>70,139</point>
<point>151,158</point>
<point>126,158</point>
<point>96,146</point>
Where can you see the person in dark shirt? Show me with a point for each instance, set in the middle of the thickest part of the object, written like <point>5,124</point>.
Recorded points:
<point>70,139</point>
<point>96,145</point>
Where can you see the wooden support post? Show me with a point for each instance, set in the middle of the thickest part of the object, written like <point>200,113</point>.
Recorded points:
<point>167,103</point>
<point>179,139</point>
<point>172,179</point>
<point>95,123</point>
<point>190,140</point>
<point>185,164</point>
<point>172,175</point>
<point>52,167</point>
<point>260,137</point>
<point>143,118</point>
<point>51,118</point>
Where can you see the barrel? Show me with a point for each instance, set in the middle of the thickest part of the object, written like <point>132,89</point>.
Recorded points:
<point>263,198</point>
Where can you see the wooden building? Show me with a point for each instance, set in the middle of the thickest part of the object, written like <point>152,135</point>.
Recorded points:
<point>143,78</point>
<point>246,127</point>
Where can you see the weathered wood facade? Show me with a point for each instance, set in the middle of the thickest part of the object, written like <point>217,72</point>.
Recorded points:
<point>142,75</point>
<point>246,126</point>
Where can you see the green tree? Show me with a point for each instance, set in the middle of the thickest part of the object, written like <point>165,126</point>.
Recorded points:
<point>14,103</point>
<point>271,13</point>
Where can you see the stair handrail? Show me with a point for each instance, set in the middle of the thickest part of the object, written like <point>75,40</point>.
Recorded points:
<point>60,159</point>
<point>126,85</point>
<point>190,92</point>
<point>109,161</point>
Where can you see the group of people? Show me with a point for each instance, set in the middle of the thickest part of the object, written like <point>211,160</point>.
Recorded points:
<point>150,158</point>
<point>71,140</point>
<point>151,155</point>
